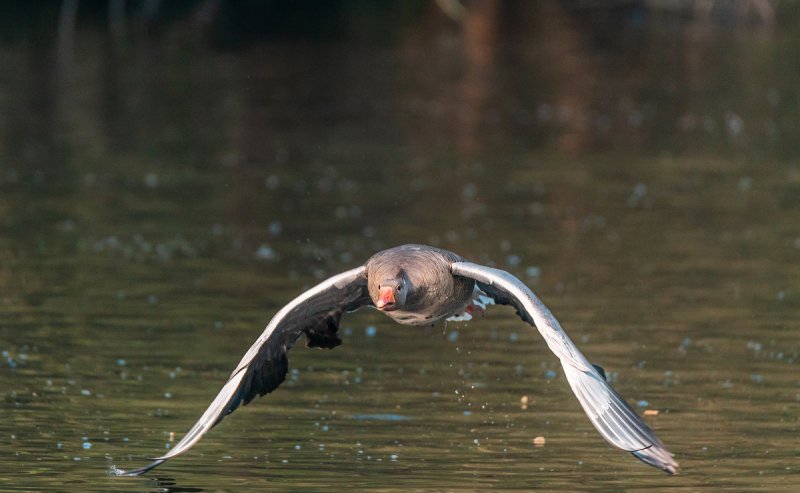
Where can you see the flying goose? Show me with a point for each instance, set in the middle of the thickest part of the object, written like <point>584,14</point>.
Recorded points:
<point>419,285</point>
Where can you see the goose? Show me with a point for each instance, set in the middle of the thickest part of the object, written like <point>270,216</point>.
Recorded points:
<point>419,285</point>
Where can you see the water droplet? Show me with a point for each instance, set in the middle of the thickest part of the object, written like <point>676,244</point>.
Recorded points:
<point>264,252</point>
<point>151,180</point>
<point>745,183</point>
<point>275,228</point>
<point>734,124</point>
<point>533,271</point>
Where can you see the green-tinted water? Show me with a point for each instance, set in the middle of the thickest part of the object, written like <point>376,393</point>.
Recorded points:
<point>161,197</point>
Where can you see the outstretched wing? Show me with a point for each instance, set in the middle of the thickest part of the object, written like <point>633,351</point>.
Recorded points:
<point>607,410</point>
<point>263,368</point>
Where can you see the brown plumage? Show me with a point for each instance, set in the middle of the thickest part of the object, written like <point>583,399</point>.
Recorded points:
<point>419,285</point>
<point>433,292</point>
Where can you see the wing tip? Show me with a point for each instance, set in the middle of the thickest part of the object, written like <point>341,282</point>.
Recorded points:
<point>658,457</point>
<point>116,471</point>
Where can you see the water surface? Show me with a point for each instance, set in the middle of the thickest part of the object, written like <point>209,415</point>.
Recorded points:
<point>163,193</point>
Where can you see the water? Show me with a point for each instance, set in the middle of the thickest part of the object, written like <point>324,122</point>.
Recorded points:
<point>161,195</point>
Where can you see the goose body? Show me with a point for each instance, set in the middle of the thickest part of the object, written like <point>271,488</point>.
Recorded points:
<point>420,285</point>
<point>434,293</point>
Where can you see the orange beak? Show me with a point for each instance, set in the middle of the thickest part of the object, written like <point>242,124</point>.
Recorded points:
<point>385,298</point>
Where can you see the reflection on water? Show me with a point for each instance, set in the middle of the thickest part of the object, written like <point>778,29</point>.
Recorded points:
<point>167,187</point>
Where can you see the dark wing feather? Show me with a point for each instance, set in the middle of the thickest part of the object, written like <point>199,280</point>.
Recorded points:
<point>606,409</point>
<point>317,317</point>
<point>263,368</point>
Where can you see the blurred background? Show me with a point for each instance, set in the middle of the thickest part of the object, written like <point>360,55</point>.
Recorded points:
<point>172,173</point>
